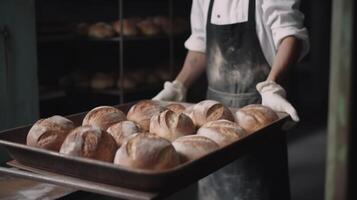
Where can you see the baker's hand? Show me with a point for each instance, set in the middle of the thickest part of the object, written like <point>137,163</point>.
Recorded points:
<point>273,96</point>
<point>173,91</point>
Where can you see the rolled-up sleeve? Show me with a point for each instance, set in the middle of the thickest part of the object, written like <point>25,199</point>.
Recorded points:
<point>197,40</point>
<point>284,19</point>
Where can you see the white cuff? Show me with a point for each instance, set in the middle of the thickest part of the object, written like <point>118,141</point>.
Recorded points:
<point>194,43</point>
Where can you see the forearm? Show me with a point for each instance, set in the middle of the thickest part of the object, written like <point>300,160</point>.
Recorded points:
<point>193,67</point>
<point>287,55</point>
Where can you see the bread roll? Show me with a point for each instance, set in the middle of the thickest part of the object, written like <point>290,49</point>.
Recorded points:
<point>171,125</point>
<point>223,132</point>
<point>193,146</point>
<point>101,30</point>
<point>102,81</point>
<point>128,83</point>
<point>209,110</point>
<point>142,112</point>
<point>255,116</point>
<point>103,117</point>
<point>90,142</point>
<point>122,130</point>
<point>176,107</point>
<point>148,27</point>
<point>147,151</point>
<point>49,133</point>
<point>126,27</point>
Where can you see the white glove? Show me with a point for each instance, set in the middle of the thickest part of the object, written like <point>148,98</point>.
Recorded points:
<point>173,91</point>
<point>273,96</point>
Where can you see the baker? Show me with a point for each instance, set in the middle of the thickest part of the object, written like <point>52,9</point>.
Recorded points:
<point>245,47</point>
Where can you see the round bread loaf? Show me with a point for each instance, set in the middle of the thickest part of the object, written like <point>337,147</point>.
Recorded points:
<point>171,125</point>
<point>126,27</point>
<point>223,132</point>
<point>194,146</point>
<point>142,112</point>
<point>209,110</point>
<point>254,117</point>
<point>103,117</point>
<point>90,142</point>
<point>147,151</point>
<point>101,30</point>
<point>49,133</point>
<point>176,107</point>
<point>148,27</point>
<point>163,22</point>
<point>122,131</point>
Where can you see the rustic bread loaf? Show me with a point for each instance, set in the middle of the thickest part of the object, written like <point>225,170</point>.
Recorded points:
<point>176,107</point>
<point>101,30</point>
<point>171,125</point>
<point>90,142</point>
<point>49,133</point>
<point>103,117</point>
<point>126,27</point>
<point>223,132</point>
<point>209,110</point>
<point>147,151</point>
<point>142,112</point>
<point>148,27</point>
<point>121,131</point>
<point>255,116</point>
<point>193,146</point>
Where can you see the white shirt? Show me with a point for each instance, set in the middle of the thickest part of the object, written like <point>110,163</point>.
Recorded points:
<point>275,20</point>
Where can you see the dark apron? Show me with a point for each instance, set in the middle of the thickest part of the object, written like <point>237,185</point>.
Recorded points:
<point>235,64</point>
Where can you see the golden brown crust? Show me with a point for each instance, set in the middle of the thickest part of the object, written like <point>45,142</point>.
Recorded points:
<point>171,125</point>
<point>176,107</point>
<point>49,133</point>
<point>255,116</point>
<point>223,132</point>
<point>209,110</point>
<point>148,27</point>
<point>101,30</point>
<point>126,27</point>
<point>192,147</point>
<point>90,142</point>
<point>122,130</point>
<point>103,117</point>
<point>142,112</point>
<point>147,151</point>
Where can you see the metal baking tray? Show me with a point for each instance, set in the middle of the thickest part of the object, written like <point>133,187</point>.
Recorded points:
<point>102,173</point>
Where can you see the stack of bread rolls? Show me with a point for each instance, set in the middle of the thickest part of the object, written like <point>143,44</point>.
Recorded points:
<point>152,135</point>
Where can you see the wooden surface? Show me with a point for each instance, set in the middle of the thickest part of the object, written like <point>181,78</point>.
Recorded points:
<point>340,105</point>
<point>12,188</point>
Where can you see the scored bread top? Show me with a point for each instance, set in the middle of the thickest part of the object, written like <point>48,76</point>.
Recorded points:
<point>142,112</point>
<point>49,133</point>
<point>209,110</point>
<point>255,116</point>
<point>222,131</point>
<point>147,151</point>
<point>103,117</point>
<point>171,125</point>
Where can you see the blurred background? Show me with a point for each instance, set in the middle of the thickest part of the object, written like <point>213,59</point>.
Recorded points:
<point>77,57</point>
